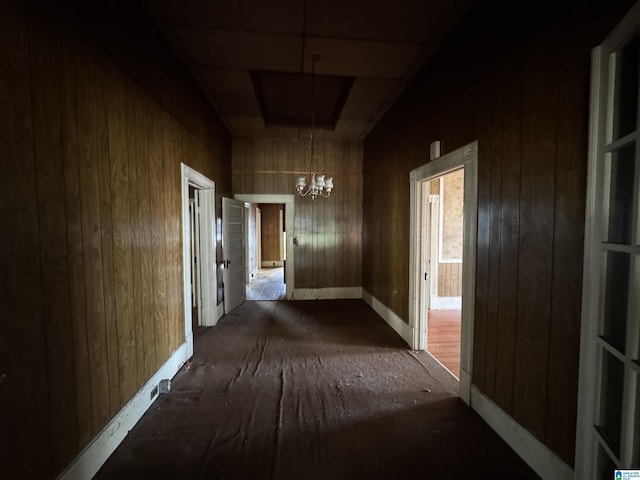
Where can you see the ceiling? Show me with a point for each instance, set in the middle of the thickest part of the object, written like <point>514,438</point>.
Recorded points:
<point>377,46</point>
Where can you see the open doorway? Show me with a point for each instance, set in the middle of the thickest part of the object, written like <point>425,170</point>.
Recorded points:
<point>287,254</point>
<point>441,290</point>
<point>444,316</point>
<point>266,252</point>
<point>201,306</point>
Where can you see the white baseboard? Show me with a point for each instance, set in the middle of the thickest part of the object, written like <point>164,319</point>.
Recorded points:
<point>389,316</point>
<point>272,263</point>
<point>91,459</point>
<point>445,303</point>
<point>542,460</point>
<point>327,293</point>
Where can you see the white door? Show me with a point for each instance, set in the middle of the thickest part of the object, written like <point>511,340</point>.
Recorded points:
<point>233,250</point>
<point>608,436</point>
<point>206,257</point>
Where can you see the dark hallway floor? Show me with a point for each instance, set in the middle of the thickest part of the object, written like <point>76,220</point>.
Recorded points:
<point>311,390</point>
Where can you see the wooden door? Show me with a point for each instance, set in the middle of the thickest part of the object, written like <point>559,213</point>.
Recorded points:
<point>233,248</point>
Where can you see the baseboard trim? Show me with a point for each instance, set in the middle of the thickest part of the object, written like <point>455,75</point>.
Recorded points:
<point>91,459</point>
<point>272,263</point>
<point>330,293</point>
<point>445,303</point>
<point>542,460</point>
<point>389,316</point>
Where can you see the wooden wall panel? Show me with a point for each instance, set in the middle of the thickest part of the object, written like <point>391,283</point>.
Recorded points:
<point>158,246</point>
<point>68,58</point>
<point>24,409</point>
<point>509,235</point>
<point>271,233</point>
<point>172,231</point>
<point>482,122</point>
<point>92,259</point>
<point>121,208</point>
<point>564,331</point>
<point>53,244</point>
<point>537,193</point>
<point>140,127</point>
<point>135,229</point>
<point>449,279</point>
<point>328,231</point>
<point>94,199</point>
<point>526,103</point>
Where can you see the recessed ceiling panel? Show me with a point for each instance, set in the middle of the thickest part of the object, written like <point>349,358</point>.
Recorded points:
<point>377,45</point>
<point>286,99</point>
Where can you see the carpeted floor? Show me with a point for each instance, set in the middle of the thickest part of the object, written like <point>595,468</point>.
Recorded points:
<point>310,390</point>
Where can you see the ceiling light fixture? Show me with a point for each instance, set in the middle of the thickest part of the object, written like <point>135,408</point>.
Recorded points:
<point>318,186</point>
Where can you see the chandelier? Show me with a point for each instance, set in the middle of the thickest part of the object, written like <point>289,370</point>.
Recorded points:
<point>319,186</point>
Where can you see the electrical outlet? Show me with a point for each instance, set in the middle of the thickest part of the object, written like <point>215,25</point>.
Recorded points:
<point>154,392</point>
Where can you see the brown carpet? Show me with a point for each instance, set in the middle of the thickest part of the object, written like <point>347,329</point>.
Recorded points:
<point>310,390</point>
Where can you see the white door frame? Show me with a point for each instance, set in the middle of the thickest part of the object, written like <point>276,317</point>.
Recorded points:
<point>211,312</point>
<point>465,157</point>
<point>288,201</point>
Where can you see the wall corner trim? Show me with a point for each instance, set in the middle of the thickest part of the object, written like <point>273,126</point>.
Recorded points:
<point>91,459</point>
<point>542,460</point>
<point>389,316</point>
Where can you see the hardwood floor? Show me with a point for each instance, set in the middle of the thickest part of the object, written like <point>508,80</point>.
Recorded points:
<point>443,340</point>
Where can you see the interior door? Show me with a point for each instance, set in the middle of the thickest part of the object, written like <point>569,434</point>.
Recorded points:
<point>609,435</point>
<point>196,281</point>
<point>206,255</point>
<point>233,249</point>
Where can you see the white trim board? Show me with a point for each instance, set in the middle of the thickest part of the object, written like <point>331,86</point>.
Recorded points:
<point>272,263</point>
<point>91,459</point>
<point>389,316</point>
<point>542,460</point>
<point>445,303</point>
<point>330,293</point>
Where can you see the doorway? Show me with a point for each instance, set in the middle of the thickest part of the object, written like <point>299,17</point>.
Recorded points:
<point>201,307</point>
<point>266,257</point>
<point>285,226</point>
<point>444,250</point>
<point>433,261</point>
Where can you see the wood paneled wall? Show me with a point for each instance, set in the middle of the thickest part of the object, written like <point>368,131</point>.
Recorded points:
<point>449,279</point>
<point>328,231</point>
<point>271,232</point>
<point>92,301</point>
<point>524,96</point>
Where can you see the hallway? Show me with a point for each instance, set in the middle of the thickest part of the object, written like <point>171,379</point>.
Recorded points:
<point>268,284</point>
<point>313,390</point>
